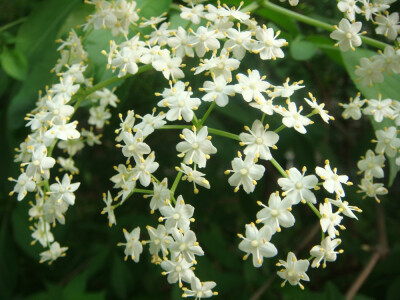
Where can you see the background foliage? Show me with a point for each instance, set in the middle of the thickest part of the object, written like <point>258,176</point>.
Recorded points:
<point>94,266</point>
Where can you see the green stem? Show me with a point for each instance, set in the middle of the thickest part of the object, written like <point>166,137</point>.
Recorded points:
<point>310,21</point>
<point>175,185</point>
<point>314,209</point>
<point>251,7</point>
<point>224,134</point>
<point>175,127</point>
<point>12,24</point>
<point>280,128</point>
<point>279,168</point>
<point>195,121</point>
<point>204,118</point>
<point>143,191</point>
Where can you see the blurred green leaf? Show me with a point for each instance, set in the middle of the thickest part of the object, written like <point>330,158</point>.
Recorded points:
<point>121,278</point>
<point>389,88</point>
<point>14,63</point>
<point>284,22</point>
<point>152,8</point>
<point>302,49</point>
<point>326,45</point>
<point>8,271</point>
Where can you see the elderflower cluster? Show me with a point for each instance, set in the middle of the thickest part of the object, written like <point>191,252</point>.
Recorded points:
<point>387,141</point>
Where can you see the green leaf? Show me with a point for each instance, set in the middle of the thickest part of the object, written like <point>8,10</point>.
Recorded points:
<point>302,50</point>
<point>152,8</point>
<point>325,44</point>
<point>14,63</point>
<point>389,88</point>
<point>39,31</point>
<point>121,278</point>
<point>284,22</point>
<point>8,269</point>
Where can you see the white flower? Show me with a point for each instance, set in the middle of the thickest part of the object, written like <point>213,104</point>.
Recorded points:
<point>297,187</point>
<point>178,270</point>
<point>65,190</point>
<point>286,90</point>
<point>144,169</point>
<point>109,209</point>
<point>206,40</point>
<point>197,146</point>
<point>178,216</point>
<point>251,87</point>
<point>353,108</point>
<point>318,108</point>
<point>329,219</point>
<point>347,34</point>
<point>180,104</point>
<point>257,243</point>
<point>150,122</point>
<point>199,289</point>
<point>182,43</point>
<point>133,247</point>
<point>350,8</point>
<point>99,116</point>
<point>372,189</point>
<point>388,25</point>
<point>159,35</point>
<point>220,65</point>
<point>295,270</point>
<point>217,90</point>
<point>152,20</point>
<point>345,208</point>
<point>63,131</point>
<point>54,210</point>
<point>332,181</point>
<point>387,141</point>
<point>246,173</point>
<point>259,140</point>
<point>134,146</point>
<point>124,175</point>
<point>169,66</point>
<point>372,165</point>
<point>40,164</point>
<point>126,60</point>
<point>53,253</point>
<point>24,184</point>
<point>238,42</point>
<point>370,71</point>
<point>194,176</point>
<point>194,14</point>
<point>269,46</point>
<point>325,252</point>
<point>126,124</point>
<point>160,196</point>
<point>379,108</point>
<point>276,214</point>
<point>390,59</point>
<point>159,240</point>
<point>42,233</point>
<point>64,90</point>
<point>186,244</point>
<point>293,118</point>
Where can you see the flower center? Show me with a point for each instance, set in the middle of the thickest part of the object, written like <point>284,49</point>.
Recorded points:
<point>195,146</point>
<point>178,269</point>
<point>274,213</point>
<point>244,171</point>
<point>348,35</point>
<point>36,162</point>
<point>181,103</point>
<point>131,148</point>
<point>176,216</point>
<point>182,247</point>
<point>259,141</point>
<point>299,185</point>
<point>255,243</point>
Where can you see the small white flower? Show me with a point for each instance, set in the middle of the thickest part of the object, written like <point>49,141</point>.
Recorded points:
<point>199,289</point>
<point>276,214</point>
<point>126,124</point>
<point>197,146</point>
<point>372,165</point>
<point>347,34</point>
<point>329,219</point>
<point>53,253</point>
<point>99,116</point>
<point>318,108</point>
<point>160,196</point>
<point>206,40</point>
<point>179,216</point>
<point>238,42</point>
<point>353,108</point>
<point>259,140</point>
<point>350,8</point>
<point>194,176</point>
<point>388,25</point>
<point>24,184</point>
<point>246,173</point>
<point>194,14</point>
<point>251,87</point>
<point>178,270</point>
<point>295,270</point>
<point>159,240</point>
<point>297,187</point>
<point>63,131</point>
<point>257,243</point>
<point>134,146</point>
<point>186,244</point>
<point>332,181</point>
<point>144,169</point>
<point>370,71</point>
<point>325,252</point>
<point>372,189</point>
<point>133,247</point>
<point>387,141</point>
<point>293,118</point>
<point>269,46</point>
<point>379,108</point>
<point>65,190</point>
<point>344,207</point>
<point>42,233</point>
<point>109,209</point>
<point>150,122</point>
<point>40,164</point>
<point>169,66</point>
<point>217,90</point>
<point>286,90</point>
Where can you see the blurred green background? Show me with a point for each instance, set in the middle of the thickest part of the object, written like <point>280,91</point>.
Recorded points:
<point>94,267</point>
